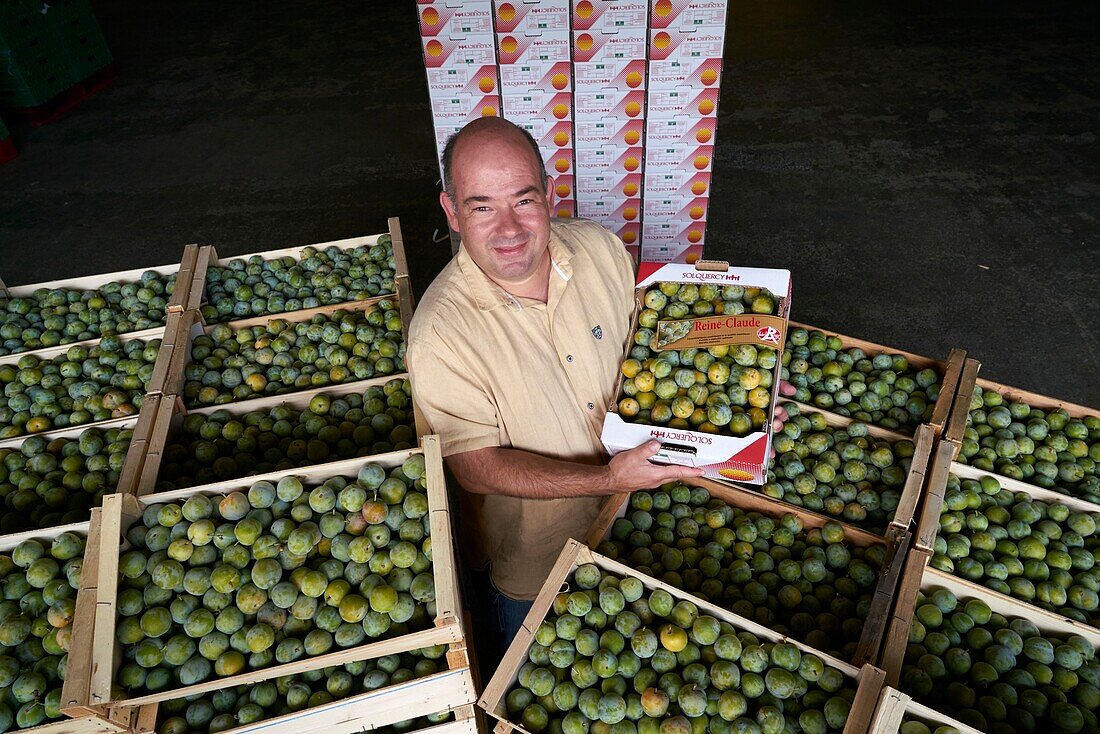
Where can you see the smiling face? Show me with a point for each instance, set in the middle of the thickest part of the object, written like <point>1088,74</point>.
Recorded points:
<point>501,207</point>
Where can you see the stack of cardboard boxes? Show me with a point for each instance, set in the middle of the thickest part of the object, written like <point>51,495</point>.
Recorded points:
<point>621,95</point>
<point>609,40</point>
<point>536,83</point>
<point>460,58</point>
<point>685,70</point>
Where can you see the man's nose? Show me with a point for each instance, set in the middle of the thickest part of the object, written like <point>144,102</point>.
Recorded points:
<point>508,223</point>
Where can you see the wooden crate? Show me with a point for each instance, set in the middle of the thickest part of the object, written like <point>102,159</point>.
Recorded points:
<point>80,721</point>
<point>121,511</point>
<point>142,425</point>
<point>190,325</point>
<point>929,525</point>
<point>918,576</point>
<point>894,707</point>
<point>448,690</point>
<point>208,256</point>
<point>923,442</point>
<point>869,679</point>
<point>960,416</point>
<point>897,546</point>
<point>950,370</point>
<point>184,272</point>
<point>156,332</point>
<point>170,413</point>
<point>160,368</point>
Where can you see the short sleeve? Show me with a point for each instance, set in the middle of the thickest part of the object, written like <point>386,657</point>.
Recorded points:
<point>456,405</point>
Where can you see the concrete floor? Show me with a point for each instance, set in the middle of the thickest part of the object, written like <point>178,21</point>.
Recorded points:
<point>931,175</point>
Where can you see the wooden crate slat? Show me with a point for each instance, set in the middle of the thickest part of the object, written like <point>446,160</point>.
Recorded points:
<point>443,691</point>
<point>960,408</point>
<point>185,279</point>
<point>122,510</point>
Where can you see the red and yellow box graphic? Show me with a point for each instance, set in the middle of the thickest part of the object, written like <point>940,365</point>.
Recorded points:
<point>457,111</point>
<point>695,73</point>
<point>538,104</point>
<point>461,21</point>
<point>610,17</point>
<point>680,130</point>
<point>609,159</point>
<point>609,103</point>
<point>687,101</point>
<point>683,183</point>
<point>619,185</point>
<point>687,254</point>
<point>559,161</point>
<point>687,15</point>
<point>563,186</point>
<point>679,158</point>
<point>629,233</point>
<point>531,17</point>
<point>676,208</point>
<point>673,233</point>
<point>549,134</point>
<point>598,132</point>
<point>620,74</point>
<point>684,47</point>
<point>610,209</point>
<point>589,46</point>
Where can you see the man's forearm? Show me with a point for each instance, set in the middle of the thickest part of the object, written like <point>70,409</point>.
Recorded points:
<point>517,473</point>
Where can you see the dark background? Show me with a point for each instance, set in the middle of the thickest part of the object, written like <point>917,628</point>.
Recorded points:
<point>930,172</point>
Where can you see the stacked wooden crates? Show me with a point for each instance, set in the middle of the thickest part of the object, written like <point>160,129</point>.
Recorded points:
<point>440,700</point>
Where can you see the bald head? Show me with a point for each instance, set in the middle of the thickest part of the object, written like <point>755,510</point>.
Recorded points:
<point>489,137</point>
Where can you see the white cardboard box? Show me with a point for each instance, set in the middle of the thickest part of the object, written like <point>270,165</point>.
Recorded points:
<point>610,17</point>
<point>687,15</point>
<point>596,132</point>
<point>466,19</point>
<point>620,74</point>
<point>531,17</point>
<point>723,457</point>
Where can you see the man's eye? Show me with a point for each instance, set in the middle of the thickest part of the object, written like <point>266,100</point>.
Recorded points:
<point>481,209</point>
<point>526,201</point>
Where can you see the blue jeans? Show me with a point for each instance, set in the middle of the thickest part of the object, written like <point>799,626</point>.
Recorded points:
<point>504,617</point>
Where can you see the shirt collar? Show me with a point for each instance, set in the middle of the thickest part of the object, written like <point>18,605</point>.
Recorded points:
<point>489,295</point>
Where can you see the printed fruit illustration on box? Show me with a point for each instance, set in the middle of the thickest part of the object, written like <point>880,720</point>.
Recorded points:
<point>614,655</point>
<point>49,483</point>
<point>40,581</point>
<point>998,673</point>
<point>1046,448</point>
<point>218,446</point>
<point>719,389</point>
<point>258,287</point>
<point>222,584</point>
<point>881,389</point>
<point>85,384</point>
<point>809,584</point>
<point>280,357</point>
<point>50,317</point>
<point>1043,553</point>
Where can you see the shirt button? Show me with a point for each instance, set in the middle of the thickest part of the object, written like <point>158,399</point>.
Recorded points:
<point>591,406</point>
<point>569,358</point>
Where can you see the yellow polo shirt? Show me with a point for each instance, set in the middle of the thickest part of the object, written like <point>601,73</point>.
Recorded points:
<point>490,369</point>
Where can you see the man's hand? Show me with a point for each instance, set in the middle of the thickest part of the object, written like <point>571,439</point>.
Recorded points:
<point>785,389</point>
<point>631,470</point>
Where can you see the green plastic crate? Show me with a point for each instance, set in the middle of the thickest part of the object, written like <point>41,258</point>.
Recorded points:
<point>44,53</point>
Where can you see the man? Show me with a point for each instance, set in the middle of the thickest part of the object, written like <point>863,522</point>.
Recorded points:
<point>514,353</point>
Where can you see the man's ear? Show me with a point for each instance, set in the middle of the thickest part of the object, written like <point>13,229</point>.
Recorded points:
<point>450,209</point>
<point>550,194</point>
